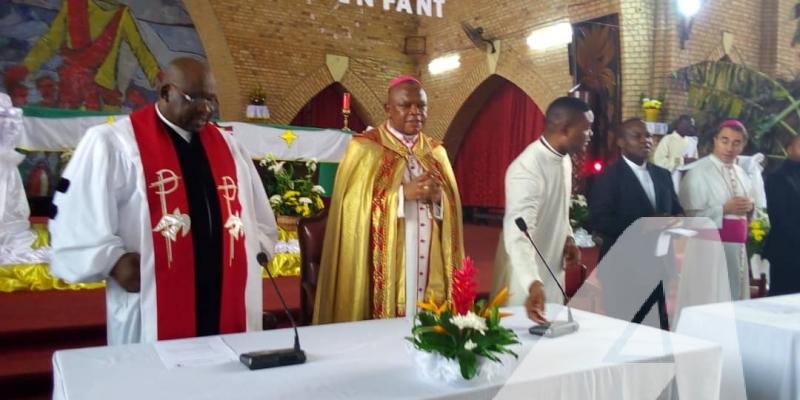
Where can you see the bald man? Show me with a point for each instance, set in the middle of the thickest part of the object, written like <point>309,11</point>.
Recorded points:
<point>394,233</point>
<point>631,188</point>
<point>171,213</point>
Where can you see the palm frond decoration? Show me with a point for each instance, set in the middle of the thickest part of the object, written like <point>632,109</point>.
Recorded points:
<point>720,89</point>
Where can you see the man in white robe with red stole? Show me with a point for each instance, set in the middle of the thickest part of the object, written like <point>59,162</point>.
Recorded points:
<point>394,230</point>
<point>170,211</point>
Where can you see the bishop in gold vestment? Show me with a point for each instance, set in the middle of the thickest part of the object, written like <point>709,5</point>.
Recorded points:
<point>394,230</point>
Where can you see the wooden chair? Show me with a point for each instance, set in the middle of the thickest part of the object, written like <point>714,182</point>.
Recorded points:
<point>758,287</point>
<point>574,276</point>
<point>310,235</point>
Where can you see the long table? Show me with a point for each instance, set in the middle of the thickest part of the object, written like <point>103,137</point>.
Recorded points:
<point>761,344</point>
<point>605,359</point>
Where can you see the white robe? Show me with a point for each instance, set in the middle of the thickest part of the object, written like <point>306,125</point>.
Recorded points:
<point>704,190</point>
<point>417,220</point>
<point>538,188</point>
<point>104,214</point>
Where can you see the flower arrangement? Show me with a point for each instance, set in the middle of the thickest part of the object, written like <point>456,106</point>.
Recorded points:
<point>578,211</point>
<point>651,104</point>
<point>652,108</point>
<point>290,195</point>
<point>465,331</point>
<point>757,232</point>
<point>257,96</point>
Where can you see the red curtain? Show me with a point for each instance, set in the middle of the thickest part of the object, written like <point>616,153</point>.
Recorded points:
<point>325,111</point>
<point>507,123</point>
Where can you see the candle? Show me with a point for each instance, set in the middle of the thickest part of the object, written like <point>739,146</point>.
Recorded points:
<point>346,102</point>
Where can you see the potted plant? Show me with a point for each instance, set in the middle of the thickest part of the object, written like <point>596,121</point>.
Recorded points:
<point>652,109</point>
<point>291,196</point>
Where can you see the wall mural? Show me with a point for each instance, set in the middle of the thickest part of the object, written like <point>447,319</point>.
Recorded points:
<point>90,54</point>
<point>102,55</point>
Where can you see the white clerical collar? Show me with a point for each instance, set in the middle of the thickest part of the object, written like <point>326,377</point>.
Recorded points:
<point>186,135</point>
<point>407,140</point>
<point>551,148</point>
<point>635,166</point>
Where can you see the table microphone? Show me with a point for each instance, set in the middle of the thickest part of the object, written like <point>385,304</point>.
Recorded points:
<point>275,358</point>
<point>554,328</point>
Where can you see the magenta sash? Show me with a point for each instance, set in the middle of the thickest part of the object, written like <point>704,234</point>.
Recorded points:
<point>733,231</point>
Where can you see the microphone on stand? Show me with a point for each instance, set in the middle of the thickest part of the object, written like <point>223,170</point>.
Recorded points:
<point>554,328</point>
<point>275,358</point>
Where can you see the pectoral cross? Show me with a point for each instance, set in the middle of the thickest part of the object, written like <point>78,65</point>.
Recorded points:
<point>170,224</point>
<point>234,223</point>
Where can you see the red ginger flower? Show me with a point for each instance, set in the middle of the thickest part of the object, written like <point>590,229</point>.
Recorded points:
<point>464,286</point>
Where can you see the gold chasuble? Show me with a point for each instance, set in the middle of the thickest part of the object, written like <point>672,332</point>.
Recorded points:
<point>362,273</point>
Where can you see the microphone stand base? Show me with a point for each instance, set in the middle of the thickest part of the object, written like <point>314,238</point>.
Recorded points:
<point>273,358</point>
<point>555,329</point>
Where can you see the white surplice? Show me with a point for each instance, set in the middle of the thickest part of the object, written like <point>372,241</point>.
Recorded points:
<point>538,188</point>
<point>104,214</point>
<point>417,217</point>
<point>705,188</point>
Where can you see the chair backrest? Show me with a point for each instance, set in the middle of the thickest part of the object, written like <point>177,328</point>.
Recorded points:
<point>574,276</point>
<point>310,235</point>
<point>758,287</point>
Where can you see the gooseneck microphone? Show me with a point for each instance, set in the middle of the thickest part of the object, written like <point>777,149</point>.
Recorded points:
<point>275,358</point>
<point>555,328</point>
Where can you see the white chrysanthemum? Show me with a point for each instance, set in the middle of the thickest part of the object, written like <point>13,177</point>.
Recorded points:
<point>471,320</point>
<point>277,167</point>
<point>275,199</point>
<point>268,159</point>
<point>470,345</point>
<point>305,200</point>
<point>318,189</point>
<point>311,164</point>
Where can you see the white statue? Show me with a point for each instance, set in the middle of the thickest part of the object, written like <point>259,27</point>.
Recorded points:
<point>15,234</point>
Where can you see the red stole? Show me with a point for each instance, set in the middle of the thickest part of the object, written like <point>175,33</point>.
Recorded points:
<point>172,240</point>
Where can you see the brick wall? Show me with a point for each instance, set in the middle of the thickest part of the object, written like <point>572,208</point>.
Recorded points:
<point>543,75</point>
<point>282,45</point>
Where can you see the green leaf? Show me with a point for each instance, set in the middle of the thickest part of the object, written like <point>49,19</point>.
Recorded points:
<point>468,362</point>
<point>427,319</point>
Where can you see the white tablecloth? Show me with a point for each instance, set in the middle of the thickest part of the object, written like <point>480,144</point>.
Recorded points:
<point>761,341</point>
<point>606,359</point>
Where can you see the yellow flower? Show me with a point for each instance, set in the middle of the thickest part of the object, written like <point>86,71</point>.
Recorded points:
<point>291,193</point>
<point>756,224</point>
<point>499,299</point>
<point>298,209</point>
<point>439,329</point>
<point>319,203</point>
<point>432,307</point>
<point>306,210</point>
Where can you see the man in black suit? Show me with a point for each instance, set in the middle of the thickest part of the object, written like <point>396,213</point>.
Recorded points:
<point>631,188</point>
<point>783,198</point>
